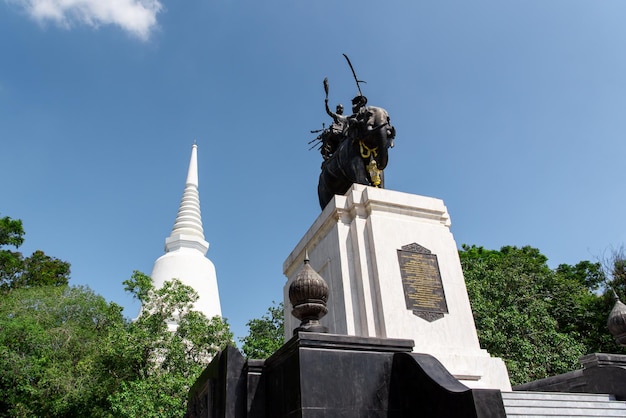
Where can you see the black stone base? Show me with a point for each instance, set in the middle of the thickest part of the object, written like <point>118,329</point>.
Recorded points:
<point>322,375</point>
<point>601,373</point>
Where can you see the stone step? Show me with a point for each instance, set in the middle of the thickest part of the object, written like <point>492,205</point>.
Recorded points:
<point>557,395</point>
<point>555,405</point>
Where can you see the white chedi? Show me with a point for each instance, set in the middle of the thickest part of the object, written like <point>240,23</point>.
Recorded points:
<point>185,250</point>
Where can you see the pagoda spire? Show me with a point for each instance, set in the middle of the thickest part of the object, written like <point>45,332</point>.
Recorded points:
<point>185,250</point>
<point>187,231</point>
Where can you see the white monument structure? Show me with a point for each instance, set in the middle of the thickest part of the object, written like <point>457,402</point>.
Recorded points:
<point>393,271</point>
<point>185,249</point>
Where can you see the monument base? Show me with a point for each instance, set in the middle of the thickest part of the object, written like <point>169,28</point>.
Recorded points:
<point>323,375</point>
<point>393,270</point>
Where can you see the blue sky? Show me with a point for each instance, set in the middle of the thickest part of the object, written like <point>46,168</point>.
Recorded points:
<point>511,112</point>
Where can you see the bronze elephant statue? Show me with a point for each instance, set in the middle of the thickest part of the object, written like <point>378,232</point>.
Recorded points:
<point>360,156</point>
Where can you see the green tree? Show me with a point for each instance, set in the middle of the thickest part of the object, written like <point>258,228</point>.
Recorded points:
<point>164,350</point>
<point>12,235</point>
<point>615,270</point>
<point>66,352</point>
<point>266,335</point>
<point>53,340</point>
<point>581,305</point>
<point>11,232</point>
<point>514,294</point>
<point>17,271</point>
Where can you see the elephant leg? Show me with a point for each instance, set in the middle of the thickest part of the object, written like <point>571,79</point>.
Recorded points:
<point>329,184</point>
<point>361,176</point>
<point>324,195</point>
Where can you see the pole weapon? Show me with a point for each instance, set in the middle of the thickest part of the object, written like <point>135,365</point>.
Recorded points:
<point>354,74</point>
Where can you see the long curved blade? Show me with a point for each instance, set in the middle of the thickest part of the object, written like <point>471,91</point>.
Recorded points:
<point>354,74</point>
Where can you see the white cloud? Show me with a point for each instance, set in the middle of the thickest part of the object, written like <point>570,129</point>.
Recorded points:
<point>138,17</point>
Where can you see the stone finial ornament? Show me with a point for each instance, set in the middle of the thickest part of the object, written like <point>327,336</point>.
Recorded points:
<point>617,322</point>
<point>308,295</point>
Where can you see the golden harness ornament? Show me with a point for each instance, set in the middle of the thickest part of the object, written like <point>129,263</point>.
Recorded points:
<point>367,152</point>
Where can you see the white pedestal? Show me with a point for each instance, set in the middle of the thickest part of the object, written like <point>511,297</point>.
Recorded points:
<point>354,246</point>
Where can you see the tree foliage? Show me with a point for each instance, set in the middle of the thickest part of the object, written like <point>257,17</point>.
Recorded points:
<point>615,268</point>
<point>539,320</point>
<point>266,335</point>
<point>65,351</point>
<point>53,342</point>
<point>11,232</point>
<point>17,271</point>
<point>164,349</point>
<point>583,305</point>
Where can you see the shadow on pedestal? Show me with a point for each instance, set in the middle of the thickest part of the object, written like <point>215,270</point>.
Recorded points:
<point>323,375</point>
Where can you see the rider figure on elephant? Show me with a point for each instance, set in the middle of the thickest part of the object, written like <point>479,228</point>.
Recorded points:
<point>339,129</point>
<point>336,133</point>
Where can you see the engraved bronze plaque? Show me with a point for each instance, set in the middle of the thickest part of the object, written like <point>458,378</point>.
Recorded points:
<point>421,280</point>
